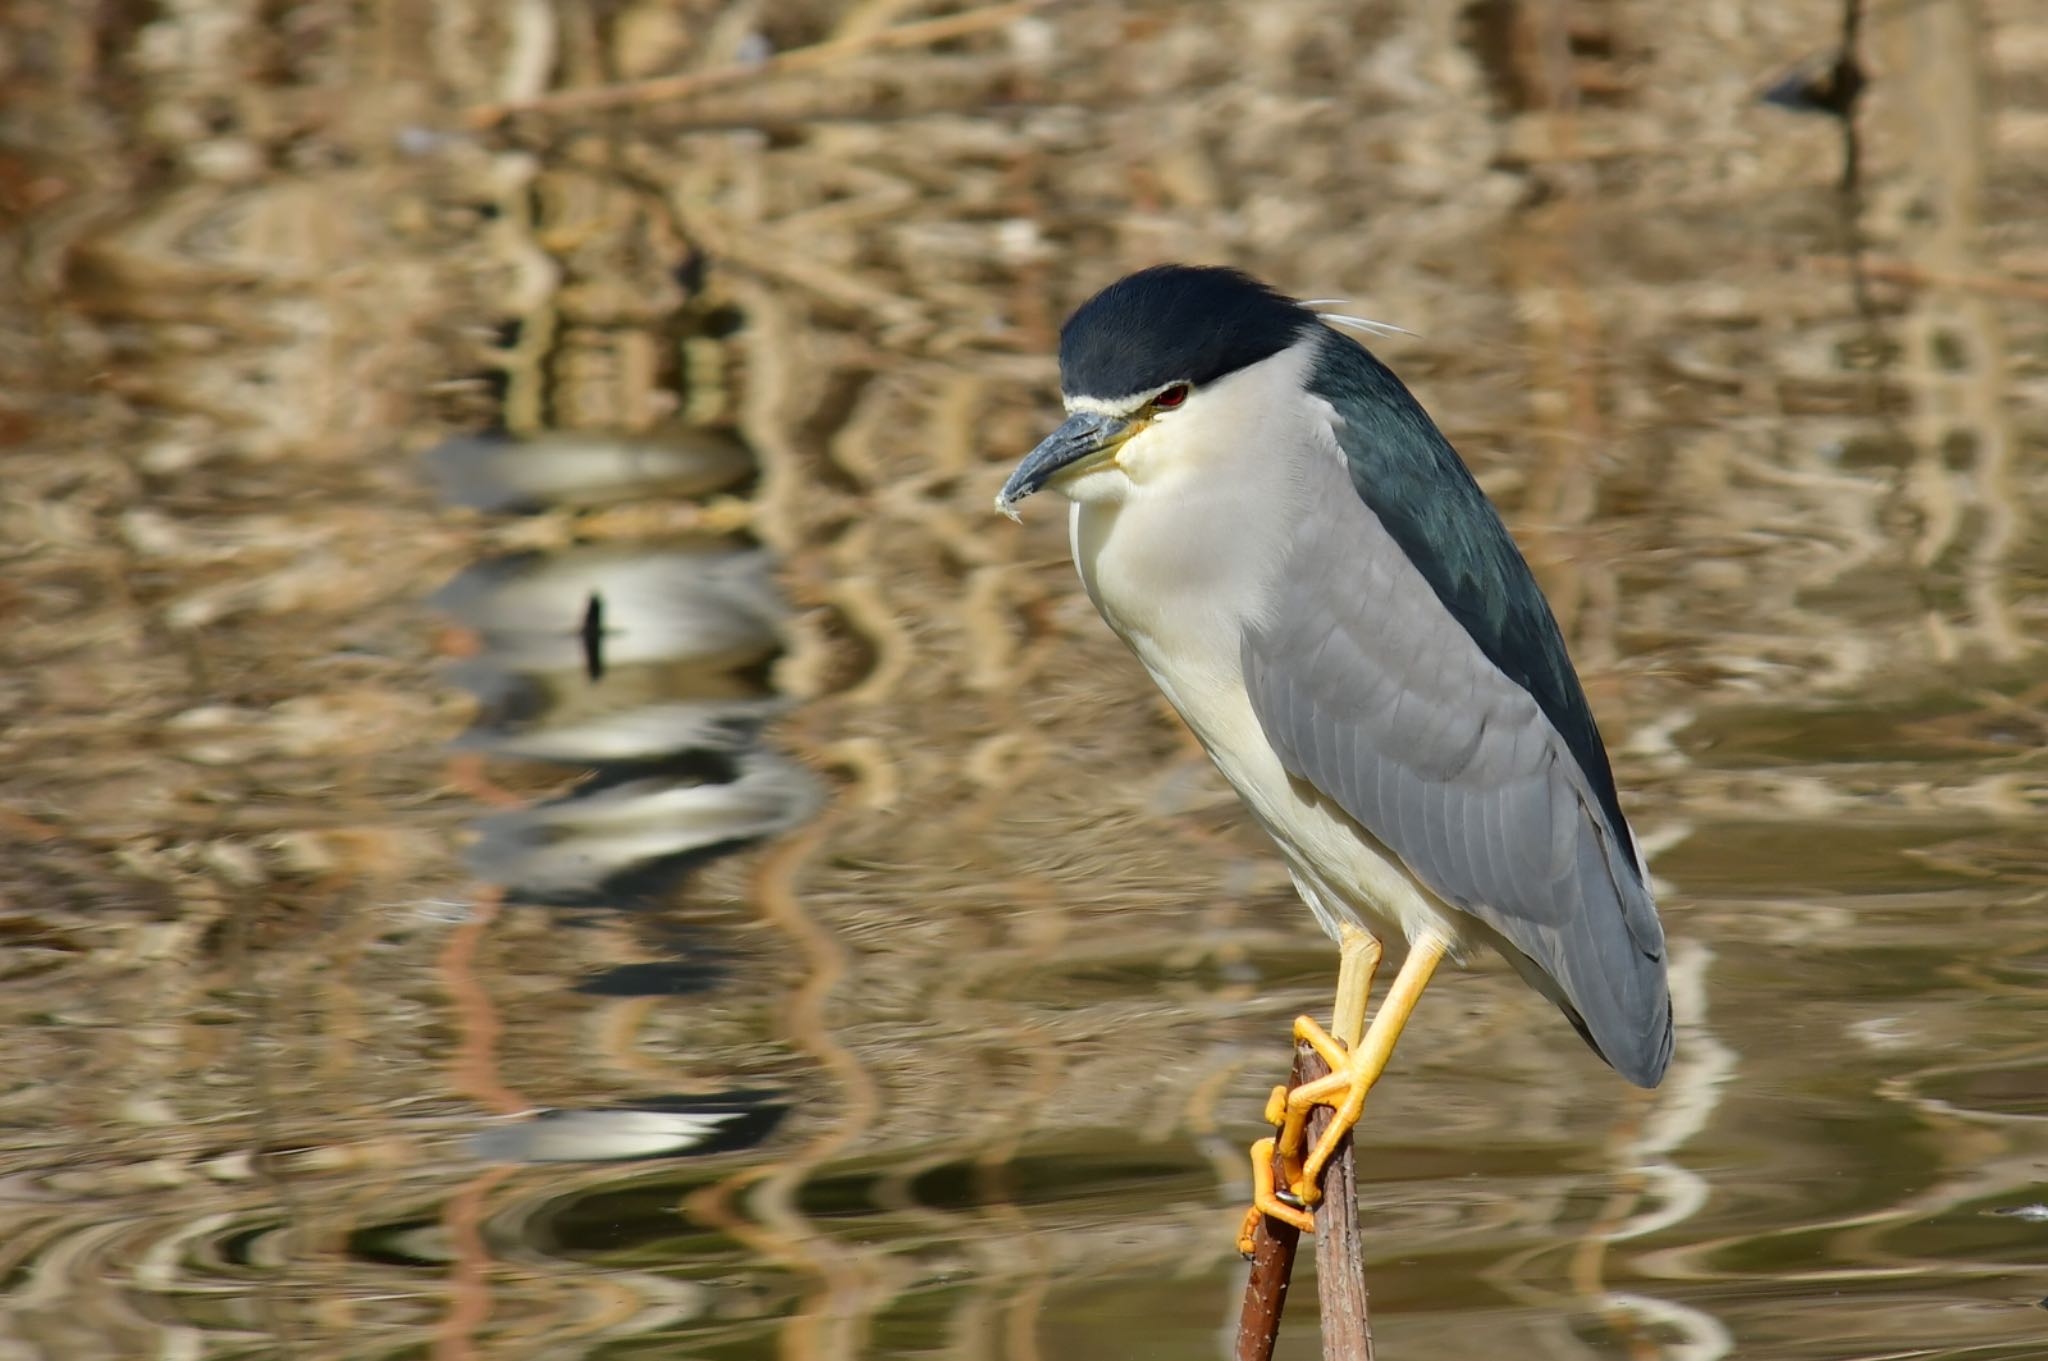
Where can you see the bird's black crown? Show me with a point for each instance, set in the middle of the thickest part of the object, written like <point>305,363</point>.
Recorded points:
<point>1173,323</point>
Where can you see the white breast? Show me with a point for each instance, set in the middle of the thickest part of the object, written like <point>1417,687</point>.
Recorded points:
<point>1176,561</point>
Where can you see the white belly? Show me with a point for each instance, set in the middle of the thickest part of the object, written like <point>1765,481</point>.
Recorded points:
<point>1179,601</point>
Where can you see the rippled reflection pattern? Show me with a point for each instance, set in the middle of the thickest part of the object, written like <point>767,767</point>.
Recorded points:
<point>648,663</point>
<point>673,875</point>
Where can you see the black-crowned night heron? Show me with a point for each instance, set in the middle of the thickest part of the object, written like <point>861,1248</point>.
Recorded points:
<point>1291,547</point>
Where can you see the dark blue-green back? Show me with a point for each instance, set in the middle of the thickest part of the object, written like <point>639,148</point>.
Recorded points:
<point>1410,477</point>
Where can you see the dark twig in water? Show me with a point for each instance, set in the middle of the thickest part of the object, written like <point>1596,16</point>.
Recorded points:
<point>1273,1247</point>
<point>1340,1268</point>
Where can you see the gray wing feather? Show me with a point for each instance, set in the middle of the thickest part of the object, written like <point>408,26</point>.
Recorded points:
<point>1372,692</point>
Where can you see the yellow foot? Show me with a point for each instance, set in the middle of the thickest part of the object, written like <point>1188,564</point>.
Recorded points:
<point>1356,1062</point>
<point>1268,1201</point>
<point>1343,1091</point>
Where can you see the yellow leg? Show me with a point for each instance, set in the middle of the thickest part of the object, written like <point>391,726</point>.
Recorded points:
<point>1352,1074</point>
<point>1358,960</point>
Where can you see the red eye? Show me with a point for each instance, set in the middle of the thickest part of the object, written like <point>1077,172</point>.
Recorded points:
<point>1171,398</point>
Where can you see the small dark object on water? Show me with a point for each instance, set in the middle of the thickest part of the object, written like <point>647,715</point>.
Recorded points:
<point>593,637</point>
<point>1830,89</point>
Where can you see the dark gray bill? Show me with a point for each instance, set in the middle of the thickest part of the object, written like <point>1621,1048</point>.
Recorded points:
<point>1085,433</point>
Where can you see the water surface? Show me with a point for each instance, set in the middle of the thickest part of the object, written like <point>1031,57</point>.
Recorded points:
<point>685,750</point>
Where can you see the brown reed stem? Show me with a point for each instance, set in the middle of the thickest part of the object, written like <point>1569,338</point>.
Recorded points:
<point>1340,1264</point>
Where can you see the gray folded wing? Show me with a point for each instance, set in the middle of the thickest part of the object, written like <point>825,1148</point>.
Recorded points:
<point>1373,692</point>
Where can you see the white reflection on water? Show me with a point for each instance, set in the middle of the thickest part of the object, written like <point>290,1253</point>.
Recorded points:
<point>1025,988</point>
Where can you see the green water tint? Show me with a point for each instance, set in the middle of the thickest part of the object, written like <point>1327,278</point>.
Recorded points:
<point>264,1037</point>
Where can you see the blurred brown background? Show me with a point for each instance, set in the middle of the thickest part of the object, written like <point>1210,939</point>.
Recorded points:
<point>502,611</point>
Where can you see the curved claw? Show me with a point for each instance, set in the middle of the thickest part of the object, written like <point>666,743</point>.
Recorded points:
<point>1356,1061</point>
<point>1268,1201</point>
